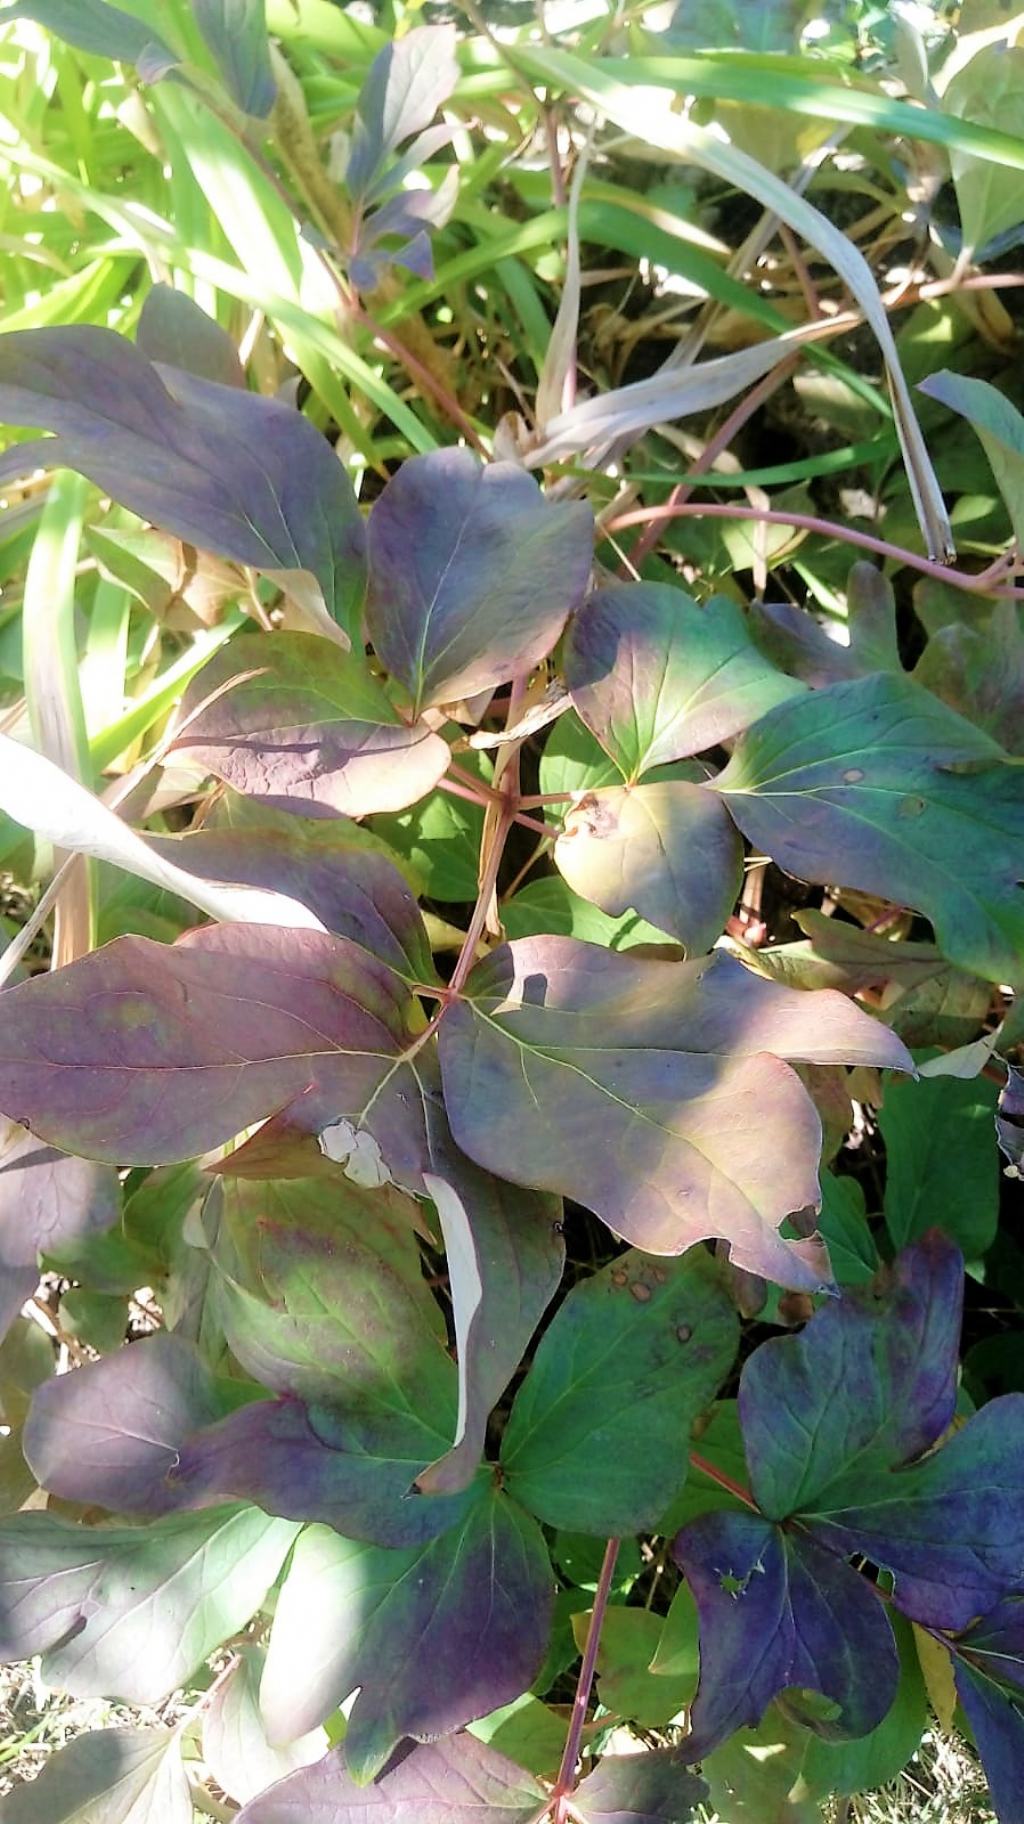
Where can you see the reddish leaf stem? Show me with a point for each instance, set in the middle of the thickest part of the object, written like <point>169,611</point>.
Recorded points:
<point>723,1480</point>
<point>808,522</point>
<point>567,1771</point>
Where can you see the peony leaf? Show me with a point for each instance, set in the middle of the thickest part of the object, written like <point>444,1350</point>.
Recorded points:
<point>455,1781</point>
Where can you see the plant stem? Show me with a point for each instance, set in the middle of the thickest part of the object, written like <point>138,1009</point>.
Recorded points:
<point>723,1480</point>
<point>808,522</point>
<point>567,1771</point>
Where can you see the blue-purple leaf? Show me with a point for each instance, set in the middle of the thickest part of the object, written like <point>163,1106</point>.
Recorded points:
<point>104,30</point>
<point>47,1199</point>
<point>778,1611</point>
<point>989,1669</point>
<point>654,1787</point>
<point>175,332</point>
<point>409,79</point>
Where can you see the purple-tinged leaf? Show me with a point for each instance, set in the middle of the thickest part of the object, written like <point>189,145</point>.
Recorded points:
<point>867,1385</point>
<point>669,852</point>
<point>409,79</point>
<point>472,573</point>
<point>505,1257</point>
<point>47,1199</point>
<point>434,1637</point>
<point>236,32</point>
<point>316,1463</point>
<point>104,30</point>
<point>639,1088</point>
<point>107,1434</point>
<point>306,728</point>
<point>149,1053</point>
<point>173,330</point>
<point>235,1745</point>
<point>655,1787</point>
<point>456,1781</point>
<point>778,1611</point>
<point>656,677</point>
<point>131,1612</point>
<point>857,786</point>
<point>795,641</point>
<point>337,868</point>
<point>107,1776</point>
<point>596,1440</point>
<point>989,1670</point>
<point>869,1761</point>
<point>230,471</point>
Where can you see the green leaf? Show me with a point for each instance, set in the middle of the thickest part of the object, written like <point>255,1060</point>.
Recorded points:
<point>872,1760</point>
<point>596,1441</point>
<point>979,672</point>
<point>131,1612</point>
<point>844,1225</point>
<point>105,30</point>
<point>1000,428</point>
<point>107,1776</point>
<point>526,1731</point>
<point>668,852</point>
<point>440,838</point>
<point>988,92</point>
<point>656,677</point>
<point>942,1162</point>
<point>626,1685</point>
<point>757,1776</point>
<point>549,904</point>
<point>742,25</point>
<point>856,785</point>
<point>434,1636</point>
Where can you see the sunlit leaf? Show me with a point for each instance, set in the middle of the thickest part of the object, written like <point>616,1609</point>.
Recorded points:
<point>987,92</point>
<point>46,1198</point>
<point>107,1776</point>
<point>306,728</point>
<point>472,574</point>
<point>596,1439</point>
<point>637,1088</point>
<point>236,32</point>
<point>456,1781</point>
<point>877,785</point>
<point>235,1745</point>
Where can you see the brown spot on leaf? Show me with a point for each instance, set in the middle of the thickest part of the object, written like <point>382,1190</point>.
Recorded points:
<point>683,1333</point>
<point>640,1292</point>
<point>853,775</point>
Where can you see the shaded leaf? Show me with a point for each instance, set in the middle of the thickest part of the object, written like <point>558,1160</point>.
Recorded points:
<point>1000,429</point>
<point>235,1746</point>
<point>231,471</point>
<point>472,574</point>
<point>627,1686</point>
<point>236,32</point>
<point>636,1087</point>
<point>597,1436</point>
<point>1010,1120</point>
<point>47,1199</point>
<point>990,1685</point>
<point>107,1776</point>
<point>844,1226</point>
<point>306,728</point>
<point>457,1781</point>
<point>505,1257</point>
<point>941,1163</point>
<point>131,1612</point>
<point>648,1788</point>
<point>855,785</point>
<point>817,1624</point>
<point>434,1637</point>
<point>527,1731</point>
<point>174,330</point>
<point>656,677</point>
<point>756,1777</point>
<point>668,852</point>
<point>979,672</point>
